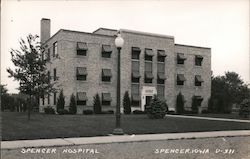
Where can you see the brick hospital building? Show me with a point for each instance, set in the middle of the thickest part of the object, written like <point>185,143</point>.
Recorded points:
<point>86,63</point>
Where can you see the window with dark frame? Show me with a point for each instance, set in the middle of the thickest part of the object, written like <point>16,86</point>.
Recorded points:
<point>43,99</point>
<point>149,54</point>
<point>180,79</point>
<point>81,73</point>
<point>135,72</point>
<point>81,48</point>
<point>106,75</point>
<point>106,99</point>
<point>106,51</point>
<point>135,97</point>
<point>148,78</point>
<point>54,98</point>
<point>55,51</point>
<point>81,98</point>
<point>198,80</point>
<point>48,99</point>
<point>181,59</point>
<point>161,56</point>
<point>198,60</point>
<point>161,73</point>
<point>136,53</point>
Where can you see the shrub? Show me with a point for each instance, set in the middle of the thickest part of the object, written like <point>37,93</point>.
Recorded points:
<point>205,111</point>
<point>87,112</point>
<point>97,104</point>
<point>126,103</point>
<point>72,105</point>
<point>62,111</point>
<point>157,109</point>
<point>245,108</point>
<point>60,102</point>
<point>180,103</point>
<point>139,112</point>
<point>49,110</point>
<point>194,105</point>
<point>108,112</point>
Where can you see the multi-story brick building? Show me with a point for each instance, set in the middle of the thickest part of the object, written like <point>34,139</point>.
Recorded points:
<point>86,63</point>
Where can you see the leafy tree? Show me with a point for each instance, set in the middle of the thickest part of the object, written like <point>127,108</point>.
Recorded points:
<point>72,105</point>
<point>157,109</point>
<point>30,69</point>
<point>126,103</point>
<point>180,103</point>
<point>97,104</point>
<point>60,102</point>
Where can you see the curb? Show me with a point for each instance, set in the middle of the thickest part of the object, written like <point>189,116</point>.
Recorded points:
<point>118,139</point>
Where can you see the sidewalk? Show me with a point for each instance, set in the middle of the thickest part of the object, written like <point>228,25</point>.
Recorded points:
<point>118,139</point>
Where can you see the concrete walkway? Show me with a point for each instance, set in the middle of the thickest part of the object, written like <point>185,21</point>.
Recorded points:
<point>208,118</point>
<point>117,139</point>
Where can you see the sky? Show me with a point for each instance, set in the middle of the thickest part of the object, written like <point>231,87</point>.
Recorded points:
<point>222,25</point>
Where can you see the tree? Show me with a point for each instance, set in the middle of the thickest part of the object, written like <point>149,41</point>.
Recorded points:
<point>180,103</point>
<point>30,69</point>
<point>97,104</point>
<point>157,109</point>
<point>72,105</point>
<point>126,103</point>
<point>4,97</point>
<point>60,102</point>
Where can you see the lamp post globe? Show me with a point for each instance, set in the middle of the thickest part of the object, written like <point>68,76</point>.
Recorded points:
<point>119,44</point>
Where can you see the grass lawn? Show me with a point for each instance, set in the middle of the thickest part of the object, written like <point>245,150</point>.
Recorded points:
<point>227,116</point>
<point>16,126</point>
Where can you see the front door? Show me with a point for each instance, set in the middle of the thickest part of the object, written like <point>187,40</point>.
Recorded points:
<point>148,99</point>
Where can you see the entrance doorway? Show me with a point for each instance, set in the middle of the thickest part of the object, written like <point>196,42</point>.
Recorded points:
<point>148,100</point>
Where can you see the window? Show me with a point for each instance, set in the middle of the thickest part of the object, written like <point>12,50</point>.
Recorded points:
<point>106,51</point>
<point>55,53</point>
<point>135,97</point>
<point>81,98</point>
<point>48,99</point>
<point>135,72</point>
<point>55,78</point>
<point>148,72</point>
<point>149,54</point>
<point>161,55</point>
<point>54,98</point>
<point>161,73</point>
<point>180,59</point>
<point>161,92</point>
<point>198,80</point>
<point>180,79</point>
<point>106,75</point>
<point>43,99</point>
<point>81,48</point>
<point>198,60</point>
<point>81,73</point>
<point>48,55</point>
<point>106,99</point>
<point>136,53</point>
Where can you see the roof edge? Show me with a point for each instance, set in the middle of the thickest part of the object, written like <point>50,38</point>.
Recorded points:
<point>104,29</point>
<point>200,47</point>
<point>146,33</point>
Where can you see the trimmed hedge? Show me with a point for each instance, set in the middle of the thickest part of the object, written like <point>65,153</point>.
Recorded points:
<point>49,110</point>
<point>139,112</point>
<point>87,112</point>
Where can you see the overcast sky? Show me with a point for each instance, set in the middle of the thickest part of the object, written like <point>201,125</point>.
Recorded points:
<point>222,25</point>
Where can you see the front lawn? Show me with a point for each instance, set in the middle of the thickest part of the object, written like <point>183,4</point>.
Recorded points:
<point>15,126</point>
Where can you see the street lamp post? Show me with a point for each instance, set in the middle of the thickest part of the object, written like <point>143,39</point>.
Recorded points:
<point>118,130</point>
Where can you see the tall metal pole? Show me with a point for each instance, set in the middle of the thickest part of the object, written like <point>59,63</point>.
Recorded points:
<point>118,130</point>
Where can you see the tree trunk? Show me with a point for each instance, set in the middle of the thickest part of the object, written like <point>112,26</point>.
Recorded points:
<point>29,105</point>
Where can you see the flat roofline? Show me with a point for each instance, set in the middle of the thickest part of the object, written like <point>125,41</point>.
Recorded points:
<point>61,30</point>
<point>146,33</point>
<point>200,47</point>
<point>104,29</point>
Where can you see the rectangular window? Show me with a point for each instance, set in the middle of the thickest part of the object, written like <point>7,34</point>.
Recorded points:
<point>149,54</point>
<point>136,53</point>
<point>48,99</point>
<point>198,80</point>
<point>43,99</point>
<point>180,79</point>
<point>135,95</point>
<point>106,75</point>
<point>55,53</point>
<point>81,48</point>
<point>55,78</point>
<point>161,55</point>
<point>106,99</point>
<point>161,73</point>
<point>161,92</point>
<point>81,73</point>
<point>135,71</point>
<point>81,98</point>
<point>148,72</point>
<point>198,60</point>
<point>54,98</point>
<point>106,51</point>
<point>180,59</point>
